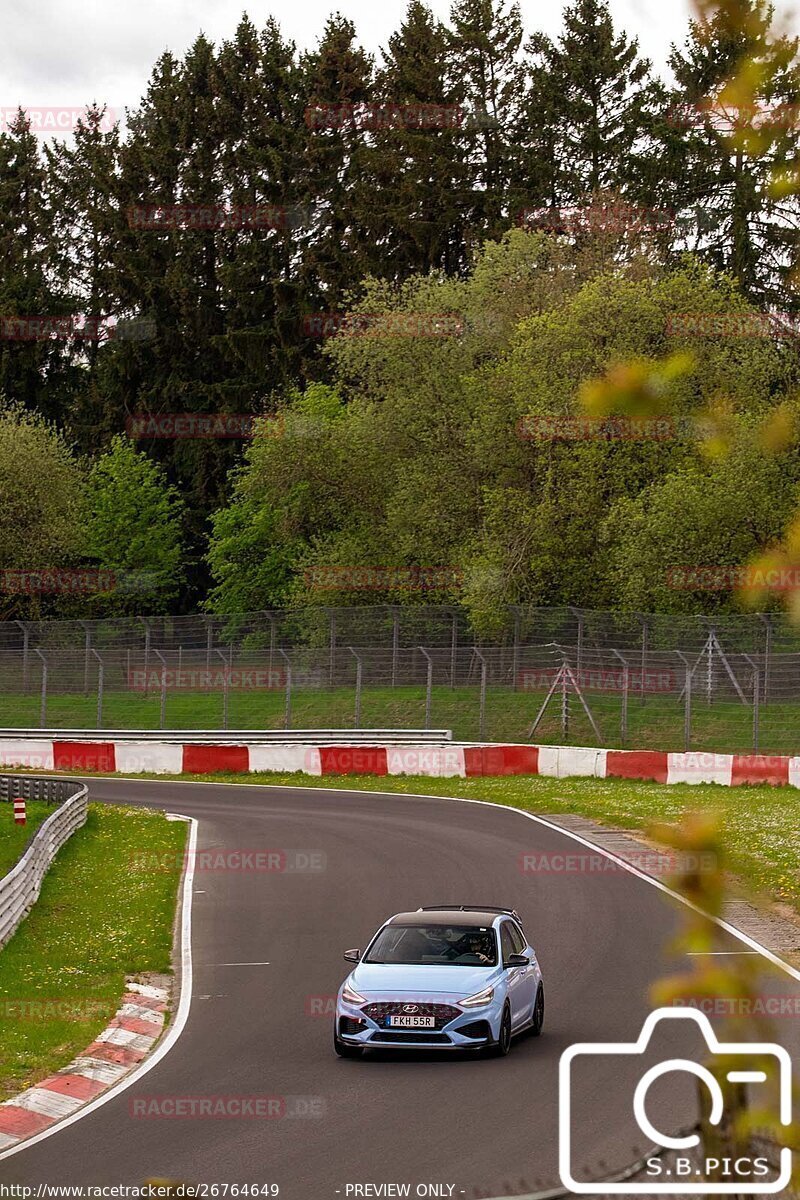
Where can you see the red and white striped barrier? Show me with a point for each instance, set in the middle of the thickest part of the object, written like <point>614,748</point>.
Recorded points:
<point>20,812</point>
<point>447,759</point>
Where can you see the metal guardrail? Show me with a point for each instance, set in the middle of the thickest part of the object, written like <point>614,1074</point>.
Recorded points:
<point>19,890</point>
<point>333,737</point>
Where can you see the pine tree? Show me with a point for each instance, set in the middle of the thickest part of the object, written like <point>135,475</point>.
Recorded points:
<point>86,218</point>
<point>32,366</point>
<point>417,180</point>
<point>337,85</point>
<point>720,156</point>
<point>609,105</point>
<point>484,46</point>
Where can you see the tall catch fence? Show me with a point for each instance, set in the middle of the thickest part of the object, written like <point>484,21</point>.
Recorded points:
<point>559,675</point>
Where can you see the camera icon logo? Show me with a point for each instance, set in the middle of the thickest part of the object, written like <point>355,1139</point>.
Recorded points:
<point>743,1065</point>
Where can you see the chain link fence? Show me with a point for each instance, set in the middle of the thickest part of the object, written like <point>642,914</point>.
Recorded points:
<point>561,676</point>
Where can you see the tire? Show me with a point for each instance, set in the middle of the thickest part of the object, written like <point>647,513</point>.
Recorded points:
<point>343,1050</point>
<point>538,1013</point>
<point>503,1044</point>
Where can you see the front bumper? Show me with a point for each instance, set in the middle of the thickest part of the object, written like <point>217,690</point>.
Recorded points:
<point>470,1028</point>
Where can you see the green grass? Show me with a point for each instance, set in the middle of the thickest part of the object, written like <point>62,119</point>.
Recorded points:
<point>659,722</point>
<point>98,919</point>
<point>760,823</point>
<point>14,838</point>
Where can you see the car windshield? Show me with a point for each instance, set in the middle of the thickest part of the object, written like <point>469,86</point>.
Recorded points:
<point>450,945</point>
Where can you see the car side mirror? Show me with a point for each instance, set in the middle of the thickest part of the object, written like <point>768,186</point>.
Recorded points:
<point>517,960</point>
<point>352,955</point>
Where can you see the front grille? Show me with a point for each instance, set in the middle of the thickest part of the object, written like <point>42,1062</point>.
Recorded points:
<point>440,1039</point>
<point>443,1013</point>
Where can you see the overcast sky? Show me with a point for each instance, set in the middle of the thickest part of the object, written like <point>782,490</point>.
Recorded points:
<point>73,52</point>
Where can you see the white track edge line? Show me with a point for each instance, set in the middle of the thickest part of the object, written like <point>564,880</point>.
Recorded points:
<point>176,1028</point>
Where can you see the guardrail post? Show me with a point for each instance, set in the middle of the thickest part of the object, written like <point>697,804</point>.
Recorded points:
<point>43,705</point>
<point>428,687</point>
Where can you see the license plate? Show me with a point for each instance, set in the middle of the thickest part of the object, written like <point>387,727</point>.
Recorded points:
<point>412,1022</point>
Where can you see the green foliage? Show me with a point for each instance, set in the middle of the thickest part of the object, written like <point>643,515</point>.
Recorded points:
<point>134,529</point>
<point>41,504</point>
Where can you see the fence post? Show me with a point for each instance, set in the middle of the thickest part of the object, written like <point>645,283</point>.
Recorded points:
<point>687,704</point>
<point>43,706</point>
<point>163,710</point>
<point>357,713</point>
<point>146,624</point>
<point>515,652</point>
<point>482,712</point>
<point>332,649</point>
<point>768,631</point>
<point>87,656</point>
<point>226,680</point>
<point>756,702</point>
<point>428,687</point>
<point>25,644</point>
<point>100,675</point>
<point>395,644</point>
<point>453,649</point>
<point>623,732</point>
<point>645,647</point>
<point>287,717</point>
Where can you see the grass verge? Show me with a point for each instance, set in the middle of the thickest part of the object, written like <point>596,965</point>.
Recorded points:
<point>97,920</point>
<point>14,838</point>
<point>724,726</point>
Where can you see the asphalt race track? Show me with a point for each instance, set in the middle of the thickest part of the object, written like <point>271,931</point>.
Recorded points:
<point>480,1125</point>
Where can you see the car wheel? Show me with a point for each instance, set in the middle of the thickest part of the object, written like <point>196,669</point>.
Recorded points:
<point>538,1013</point>
<point>503,1044</point>
<point>343,1050</point>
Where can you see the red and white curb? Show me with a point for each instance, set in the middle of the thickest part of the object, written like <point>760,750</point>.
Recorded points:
<point>449,759</point>
<point>123,1044</point>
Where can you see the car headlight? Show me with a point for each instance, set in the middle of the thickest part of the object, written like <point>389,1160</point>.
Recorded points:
<point>351,996</point>
<point>479,1000</point>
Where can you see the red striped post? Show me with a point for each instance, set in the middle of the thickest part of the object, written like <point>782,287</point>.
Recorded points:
<point>20,813</point>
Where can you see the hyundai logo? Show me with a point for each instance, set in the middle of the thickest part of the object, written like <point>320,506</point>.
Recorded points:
<point>410,1008</point>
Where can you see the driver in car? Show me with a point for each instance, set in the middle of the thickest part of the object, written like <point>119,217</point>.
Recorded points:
<point>475,945</point>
